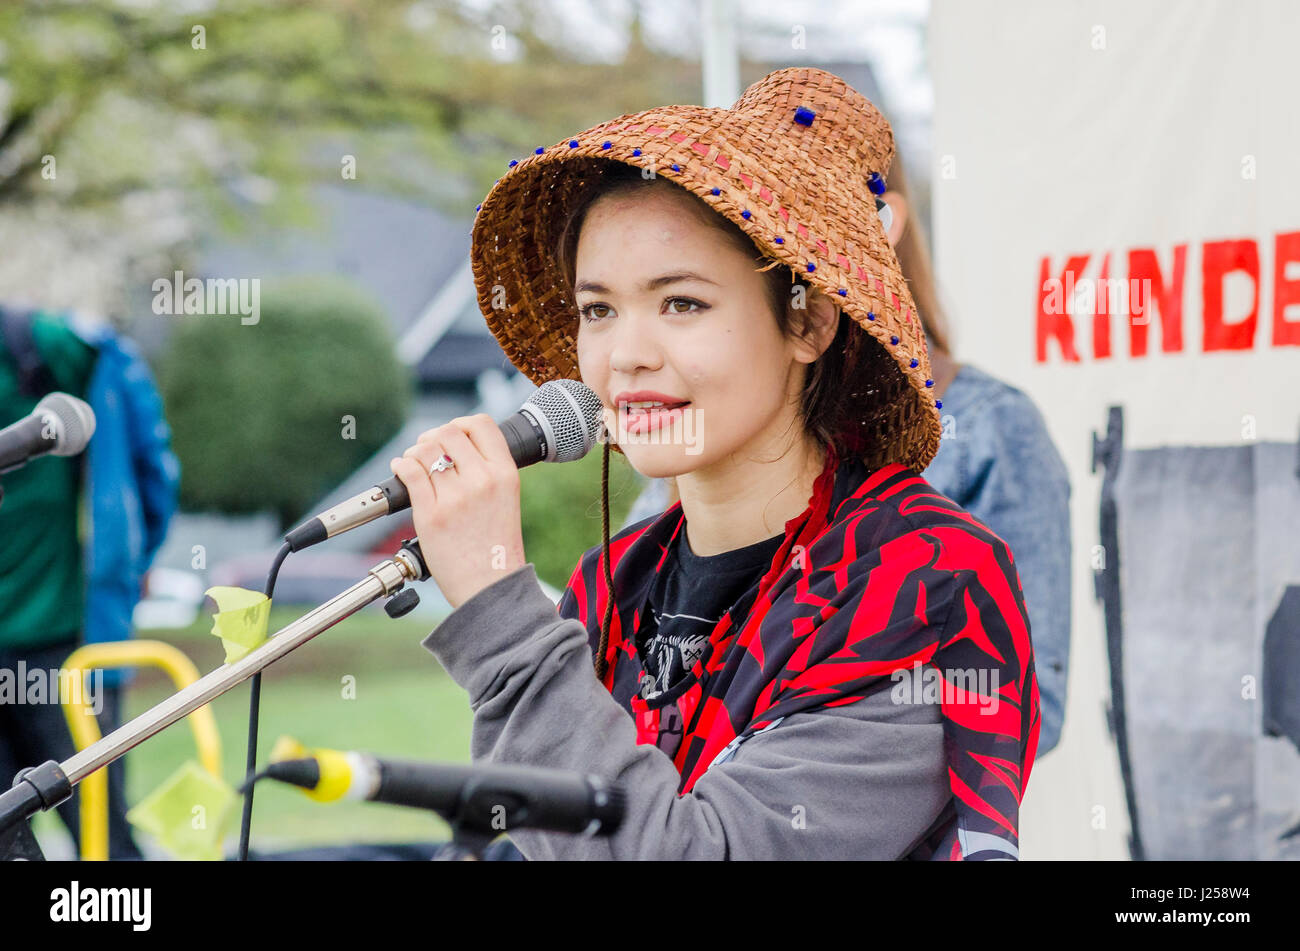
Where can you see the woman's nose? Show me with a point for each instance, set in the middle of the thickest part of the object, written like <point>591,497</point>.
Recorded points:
<point>636,345</point>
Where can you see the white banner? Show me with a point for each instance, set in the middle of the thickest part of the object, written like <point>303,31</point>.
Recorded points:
<point>1116,195</point>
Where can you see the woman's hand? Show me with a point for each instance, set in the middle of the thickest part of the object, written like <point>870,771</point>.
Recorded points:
<point>467,517</point>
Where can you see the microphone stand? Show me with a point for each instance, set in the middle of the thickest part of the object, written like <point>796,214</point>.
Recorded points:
<point>45,786</point>
<point>468,842</point>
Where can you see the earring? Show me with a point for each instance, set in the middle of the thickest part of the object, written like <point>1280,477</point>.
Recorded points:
<point>885,213</point>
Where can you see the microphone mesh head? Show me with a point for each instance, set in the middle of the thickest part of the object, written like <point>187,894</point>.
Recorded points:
<point>571,413</point>
<point>76,422</point>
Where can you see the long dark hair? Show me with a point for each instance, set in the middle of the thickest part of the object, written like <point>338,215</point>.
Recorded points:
<point>834,400</point>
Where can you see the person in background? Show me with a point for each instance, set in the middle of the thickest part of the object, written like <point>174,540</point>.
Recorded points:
<point>996,459</point>
<point>55,592</point>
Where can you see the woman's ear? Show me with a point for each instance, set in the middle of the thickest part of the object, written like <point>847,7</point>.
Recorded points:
<point>824,321</point>
<point>898,205</point>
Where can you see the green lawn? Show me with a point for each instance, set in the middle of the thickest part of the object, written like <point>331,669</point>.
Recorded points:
<point>405,705</point>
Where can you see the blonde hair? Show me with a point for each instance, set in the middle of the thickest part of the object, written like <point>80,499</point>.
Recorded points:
<point>913,255</point>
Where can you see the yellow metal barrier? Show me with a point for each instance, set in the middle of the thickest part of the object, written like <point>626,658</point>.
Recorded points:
<point>85,728</point>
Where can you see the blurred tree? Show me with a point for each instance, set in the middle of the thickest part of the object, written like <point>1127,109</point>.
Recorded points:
<point>101,99</point>
<point>554,545</point>
<point>322,355</point>
<point>125,125</point>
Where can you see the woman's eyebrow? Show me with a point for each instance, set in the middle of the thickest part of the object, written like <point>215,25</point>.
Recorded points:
<point>650,285</point>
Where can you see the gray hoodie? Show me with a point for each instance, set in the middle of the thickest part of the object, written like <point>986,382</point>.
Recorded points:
<point>866,780</point>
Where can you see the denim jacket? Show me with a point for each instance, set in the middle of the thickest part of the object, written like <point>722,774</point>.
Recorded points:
<point>997,461</point>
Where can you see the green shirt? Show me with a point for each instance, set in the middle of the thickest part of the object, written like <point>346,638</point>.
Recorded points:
<point>42,581</point>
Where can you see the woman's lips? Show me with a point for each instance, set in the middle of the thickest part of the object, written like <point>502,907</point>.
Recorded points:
<point>644,420</point>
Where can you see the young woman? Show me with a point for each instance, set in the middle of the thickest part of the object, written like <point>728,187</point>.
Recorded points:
<point>996,460</point>
<point>813,654</point>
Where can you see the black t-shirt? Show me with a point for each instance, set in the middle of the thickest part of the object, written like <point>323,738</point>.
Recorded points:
<point>688,598</point>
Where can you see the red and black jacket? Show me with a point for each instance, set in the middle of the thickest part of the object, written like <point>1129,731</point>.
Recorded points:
<point>879,574</point>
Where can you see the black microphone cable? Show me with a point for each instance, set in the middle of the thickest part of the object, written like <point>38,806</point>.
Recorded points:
<point>297,772</point>
<point>254,706</point>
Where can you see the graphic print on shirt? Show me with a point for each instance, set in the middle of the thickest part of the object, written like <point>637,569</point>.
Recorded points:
<point>689,598</point>
<point>679,643</point>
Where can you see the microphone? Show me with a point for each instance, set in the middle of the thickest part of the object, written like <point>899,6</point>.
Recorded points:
<point>60,424</point>
<point>560,422</point>
<point>489,798</point>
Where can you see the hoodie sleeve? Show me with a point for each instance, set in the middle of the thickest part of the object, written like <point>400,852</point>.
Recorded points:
<point>864,780</point>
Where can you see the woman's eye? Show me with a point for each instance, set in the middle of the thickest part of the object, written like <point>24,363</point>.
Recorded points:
<point>595,312</point>
<point>672,301</point>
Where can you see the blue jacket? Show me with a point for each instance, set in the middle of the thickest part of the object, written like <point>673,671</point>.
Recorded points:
<point>132,483</point>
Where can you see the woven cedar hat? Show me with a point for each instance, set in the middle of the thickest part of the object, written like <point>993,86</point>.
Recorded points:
<point>795,163</point>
